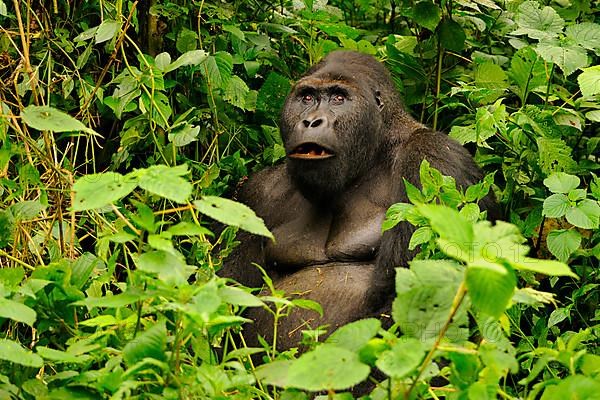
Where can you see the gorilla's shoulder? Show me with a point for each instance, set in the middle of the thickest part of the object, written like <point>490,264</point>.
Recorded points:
<point>266,188</point>
<point>443,153</point>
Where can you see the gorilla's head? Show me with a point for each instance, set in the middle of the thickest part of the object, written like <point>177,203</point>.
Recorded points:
<point>335,121</point>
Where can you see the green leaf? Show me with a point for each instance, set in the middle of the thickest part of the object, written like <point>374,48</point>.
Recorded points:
<point>420,236</point>
<point>427,14</point>
<point>572,387</point>
<point>236,91</point>
<point>538,23</point>
<point>456,233</point>
<point>403,358</point>
<point>165,181</point>
<point>272,94</point>
<point>589,81</point>
<point>15,353</point>
<point>184,136</point>
<point>395,214</point>
<point>556,205</point>
<point>555,155</point>
<point>355,335</point>
<point>586,214</point>
<point>546,267</point>
<point>560,182</point>
<point>170,269</point>
<point>17,311</point>
<point>563,242</point>
<point>162,60</point>
<point>107,30</point>
<point>191,57</point>
<point>188,229</point>
<point>110,301</point>
<point>490,76</point>
<point>149,344</point>
<point>338,369</point>
<point>60,356</point>
<point>240,297</point>
<point>424,300</point>
<point>45,118</point>
<point>528,71</point>
<point>585,34</point>
<point>568,57</point>
<point>490,287</point>
<point>83,268</point>
<point>593,116</point>
<point>218,69</point>
<point>97,190</point>
<point>232,213</point>
<point>452,36</point>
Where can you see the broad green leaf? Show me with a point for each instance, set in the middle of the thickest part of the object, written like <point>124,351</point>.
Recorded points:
<point>187,40</point>
<point>272,93</point>
<point>192,57</point>
<point>538,23</point>
<point>25,210</point>
<point>593,115</point>
<point>232,213</point>
<point>188,229</point>
<point>569,58</point>
<point>464,134</point>
<point>236,91</point>
<point>490,76</point>
<point>17,311</point>
<point>58,356</point>
<point>589,81</point>
<point>109,301</point>
<point>556,205</point>
<point>572,387</point>
<point>165,181</point>
<point>184,136</point>
<point>528,71</point>
<point>97,190</point>
<point>424,299</point>
<point>355,335</point>
<point>275,373</point>
<point>586,214</point>
<point>420,236</point>
<point>45,118</point>
<point>151,343</point>
<point>107,30</point>
<point>83,268</point>
<point>17,354</point>
<point>555,155</point>
<point>170,268</point>
<point>338,369</point>
<point>427,14</point>
<point>395,214</point>
<point>240,297</point>
<point>403,358</point>
<point>546,267</point>
<point>100,321</point>
<point>11,278</point>
<point>560,182</point>
<point>452,36</point>
<point>162,60</point>
<point>490,287</point>
<point>563,242</point>
<point>218,68</point>
<point>456,233</point>
<point>235,31</point>
<point>585,34</point>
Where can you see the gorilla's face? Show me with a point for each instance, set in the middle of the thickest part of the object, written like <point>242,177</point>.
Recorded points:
<point>330,129</point>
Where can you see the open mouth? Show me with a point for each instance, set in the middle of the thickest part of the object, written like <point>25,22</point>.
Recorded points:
<point>310,151</point>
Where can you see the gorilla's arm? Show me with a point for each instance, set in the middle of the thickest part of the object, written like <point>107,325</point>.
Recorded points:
<point>444,154</point>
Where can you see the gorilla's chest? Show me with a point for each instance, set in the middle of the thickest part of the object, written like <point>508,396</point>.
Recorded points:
<point>310,236</point>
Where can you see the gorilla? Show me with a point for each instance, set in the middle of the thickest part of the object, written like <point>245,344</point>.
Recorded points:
<point>349,143</point>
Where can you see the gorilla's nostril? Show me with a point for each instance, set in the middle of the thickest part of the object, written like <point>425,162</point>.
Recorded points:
<point>316,123</point>
<point>306,123</point>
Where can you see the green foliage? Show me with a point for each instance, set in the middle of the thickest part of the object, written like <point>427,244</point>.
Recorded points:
<point>125,126</point>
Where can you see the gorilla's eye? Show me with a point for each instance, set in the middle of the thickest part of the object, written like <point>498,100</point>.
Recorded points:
<point>308,99</point>
<point>338,99</point>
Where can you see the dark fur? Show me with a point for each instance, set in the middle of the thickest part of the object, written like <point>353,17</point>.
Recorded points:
<point>326,214</point>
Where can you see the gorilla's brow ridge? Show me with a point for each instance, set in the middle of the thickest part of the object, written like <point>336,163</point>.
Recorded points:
<point>340,82</point>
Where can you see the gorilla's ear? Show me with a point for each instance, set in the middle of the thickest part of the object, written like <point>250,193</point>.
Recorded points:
<point>378,100</point>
